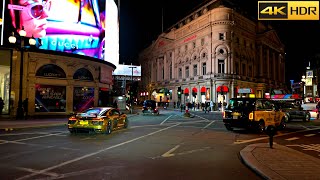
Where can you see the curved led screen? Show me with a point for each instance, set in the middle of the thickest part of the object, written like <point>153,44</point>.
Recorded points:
<point>85,27</point>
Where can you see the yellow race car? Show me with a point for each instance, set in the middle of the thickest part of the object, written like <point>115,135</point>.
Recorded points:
<point>98,120</point>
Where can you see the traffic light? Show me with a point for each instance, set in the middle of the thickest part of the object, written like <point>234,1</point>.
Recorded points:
<point>179,91</point>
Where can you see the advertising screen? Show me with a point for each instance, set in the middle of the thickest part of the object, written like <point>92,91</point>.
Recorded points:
<point>85,27</point>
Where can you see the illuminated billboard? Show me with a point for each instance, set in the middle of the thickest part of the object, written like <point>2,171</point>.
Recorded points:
<point>85,27</point>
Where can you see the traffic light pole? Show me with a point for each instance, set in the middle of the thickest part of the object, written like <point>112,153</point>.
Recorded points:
<point>131,92</point>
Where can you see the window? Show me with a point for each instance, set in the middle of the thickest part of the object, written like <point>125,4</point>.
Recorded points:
<point>195,70</point>
<point>221,66</point>
<point>162,72</point>
<point>204,68</point>
<point>244,70</point>
<point>170,71</point>
<point>202,42</point>
<point>187,71</point>
<point>194,45</point>
<point>204,55</point>
<point>170,54</point>
<point>250,71</point>
<point>180,73</point>
<point>221,36</point>
<point>237,68</point>
<point>186,47</point>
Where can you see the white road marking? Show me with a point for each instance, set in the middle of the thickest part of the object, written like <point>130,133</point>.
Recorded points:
<point>262,138</point>
<point>292,139</point>
<point>34,171</point>
<point>94,153</point>
<point>202,117</point>
<point>165,120</point>
<point>18,141</point>
<point>169,153</point>
<point>308,147</point>
<point>309,135</point>
<point>208,124</point>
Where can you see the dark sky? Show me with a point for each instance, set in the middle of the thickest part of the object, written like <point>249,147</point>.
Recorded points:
<point>141,22</point>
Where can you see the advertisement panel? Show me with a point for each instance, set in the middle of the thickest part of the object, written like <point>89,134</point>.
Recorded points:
<point>50,98</point>
<point>85,27</point>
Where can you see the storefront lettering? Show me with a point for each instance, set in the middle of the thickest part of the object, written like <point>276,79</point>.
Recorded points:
<point>65,44</point>
<point>51,74</point>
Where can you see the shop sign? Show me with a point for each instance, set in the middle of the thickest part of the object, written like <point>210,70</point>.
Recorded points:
<point>245,91</point>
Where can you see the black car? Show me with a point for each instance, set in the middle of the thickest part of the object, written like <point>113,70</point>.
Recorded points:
<point>293,110</point>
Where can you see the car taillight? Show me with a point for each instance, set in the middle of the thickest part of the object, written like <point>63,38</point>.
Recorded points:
<point>72,118</point>
<point>251,116</point>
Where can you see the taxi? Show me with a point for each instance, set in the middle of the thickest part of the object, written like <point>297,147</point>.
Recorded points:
<point>98,120</point>
<point>253,113</point>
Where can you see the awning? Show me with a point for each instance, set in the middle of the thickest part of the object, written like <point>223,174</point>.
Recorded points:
<point>203,90</point>
<point>223,89</point>
<point>194,91</point>
<point>186,91</point>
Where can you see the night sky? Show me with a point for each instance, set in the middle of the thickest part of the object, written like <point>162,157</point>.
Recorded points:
<point>141,23</point>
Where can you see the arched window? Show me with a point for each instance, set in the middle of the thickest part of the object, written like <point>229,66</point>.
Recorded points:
<point>51,70</point>
<point>83,74</point>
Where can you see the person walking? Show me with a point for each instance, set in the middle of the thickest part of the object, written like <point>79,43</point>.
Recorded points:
<point>1,105</point>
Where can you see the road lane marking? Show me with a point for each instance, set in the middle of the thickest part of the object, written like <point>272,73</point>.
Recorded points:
<point>292,139</point>
<point>165,120</point>
<point>309,135</point>
<point>279,135</point>
<point>169,153</point>
<point>19,140</point>
<point>34,171</point>
<point>308,147</point>
<point>94,153</point>
<point>202,117</point>
<point>208,124</point>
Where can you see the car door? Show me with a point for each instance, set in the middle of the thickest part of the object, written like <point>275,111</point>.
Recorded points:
<point>115,118</point>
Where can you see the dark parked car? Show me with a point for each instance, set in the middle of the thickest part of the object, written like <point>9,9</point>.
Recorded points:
<point>293,110</point>
<point>150,107</point>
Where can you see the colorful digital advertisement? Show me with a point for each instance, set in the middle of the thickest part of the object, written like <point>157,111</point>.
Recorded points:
<point>84,27</point>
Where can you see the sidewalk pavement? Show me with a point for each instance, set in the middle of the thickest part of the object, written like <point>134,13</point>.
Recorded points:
<point>279,163</point>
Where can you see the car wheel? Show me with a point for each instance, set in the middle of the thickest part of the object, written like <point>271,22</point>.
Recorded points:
<point>109,128</point>
<point>72,131</point>
<point>228,127</point>
<point>261,126</point>
<point>125,123</point>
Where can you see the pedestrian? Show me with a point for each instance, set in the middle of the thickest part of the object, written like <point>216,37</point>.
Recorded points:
<point>115,104</point>
<point>25,108</point>
<point>206,108</point>
<point>1,105</point>
<point>271,131</point>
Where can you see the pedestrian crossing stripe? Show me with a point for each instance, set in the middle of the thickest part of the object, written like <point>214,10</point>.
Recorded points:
<point>292,139</point>
<point>309,135</point>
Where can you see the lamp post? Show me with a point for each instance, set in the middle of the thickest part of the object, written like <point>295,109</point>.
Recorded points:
<point>21,47</point>
<point>132,67</point>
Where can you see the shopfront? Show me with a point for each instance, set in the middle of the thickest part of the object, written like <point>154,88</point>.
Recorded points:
<point>5,74</point>
<point>60,85</point>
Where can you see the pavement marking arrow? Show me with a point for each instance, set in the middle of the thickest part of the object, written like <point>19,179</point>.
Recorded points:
<point>169,153</point>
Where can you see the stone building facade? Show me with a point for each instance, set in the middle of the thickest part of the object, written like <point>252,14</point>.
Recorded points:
<point>56,83</point>
<point>213,54</point>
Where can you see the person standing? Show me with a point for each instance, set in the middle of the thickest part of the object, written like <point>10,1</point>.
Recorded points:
<point>25,108</point>
<point>1,105</point>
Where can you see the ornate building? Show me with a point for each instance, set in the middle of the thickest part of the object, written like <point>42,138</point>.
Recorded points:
<point>215,54</point>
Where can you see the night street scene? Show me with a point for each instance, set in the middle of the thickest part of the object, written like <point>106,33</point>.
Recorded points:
<point>154,90</point>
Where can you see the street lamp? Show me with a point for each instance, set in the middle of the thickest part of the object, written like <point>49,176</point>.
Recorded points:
<point>131,95</point>
<point>21,47</point>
